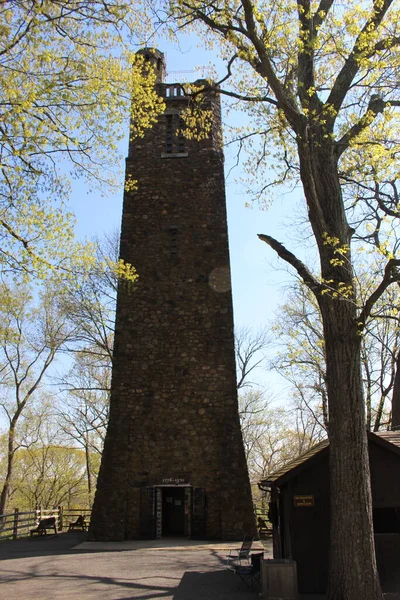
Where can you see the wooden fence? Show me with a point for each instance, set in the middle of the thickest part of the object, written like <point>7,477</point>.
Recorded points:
<point>18,524</point>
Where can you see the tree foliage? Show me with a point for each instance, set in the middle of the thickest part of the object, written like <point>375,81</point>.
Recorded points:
<point>68,81</point>
<point>77,320</point>
<point>83,406</point>
<point>49,475</point>
<point>31,335</point>
<point>272,435</point>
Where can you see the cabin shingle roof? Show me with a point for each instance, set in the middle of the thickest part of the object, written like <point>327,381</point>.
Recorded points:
<point>392,437</point>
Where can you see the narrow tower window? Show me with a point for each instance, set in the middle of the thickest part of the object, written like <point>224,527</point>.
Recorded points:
<point>180,137</point>
<point>174,138</point>
<point>169,134</point>
<point>173,242</point>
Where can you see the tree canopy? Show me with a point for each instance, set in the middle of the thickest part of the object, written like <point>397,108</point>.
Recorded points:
<point>68,81</point>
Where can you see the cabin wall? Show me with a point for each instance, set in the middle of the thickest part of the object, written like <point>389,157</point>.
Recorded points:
<point>385,476</point>
<point>305,528</point>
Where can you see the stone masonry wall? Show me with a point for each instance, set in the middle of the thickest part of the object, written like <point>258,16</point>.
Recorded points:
<point>173,400</point>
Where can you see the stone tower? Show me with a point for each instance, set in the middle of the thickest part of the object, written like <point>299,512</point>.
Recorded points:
<point>173,461</point>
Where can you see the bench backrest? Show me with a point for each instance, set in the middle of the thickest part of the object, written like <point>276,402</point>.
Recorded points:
<point>48,522</point>
<point>80,520</point>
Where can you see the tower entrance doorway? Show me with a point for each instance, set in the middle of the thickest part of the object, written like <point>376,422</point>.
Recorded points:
<point>173,511</point>
<point>179,510</point>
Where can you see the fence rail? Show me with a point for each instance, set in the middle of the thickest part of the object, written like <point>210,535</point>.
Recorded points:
<point>18,524</point>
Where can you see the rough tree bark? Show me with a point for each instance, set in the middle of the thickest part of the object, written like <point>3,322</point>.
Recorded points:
<point>10,465</point>
<point>353,569</point>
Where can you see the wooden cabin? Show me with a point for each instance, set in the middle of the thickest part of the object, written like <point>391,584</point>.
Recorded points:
<point>300,512</point>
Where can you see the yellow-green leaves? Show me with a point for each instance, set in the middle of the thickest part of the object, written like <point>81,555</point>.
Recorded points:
<point>69,81</point>
<point>124,271</point>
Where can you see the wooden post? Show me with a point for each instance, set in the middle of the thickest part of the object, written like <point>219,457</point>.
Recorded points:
<point>60,518</point>
<point>15,525</point>
<point>279,579</point>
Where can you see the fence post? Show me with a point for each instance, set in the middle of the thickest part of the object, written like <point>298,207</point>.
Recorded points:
<point>60,518</point>
<point>15,524</point>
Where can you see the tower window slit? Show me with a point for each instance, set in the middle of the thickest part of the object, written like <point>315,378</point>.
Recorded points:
<point>174,138</point>
<point>173,242</point>
<point>169,134</point>
<point>181,137</point>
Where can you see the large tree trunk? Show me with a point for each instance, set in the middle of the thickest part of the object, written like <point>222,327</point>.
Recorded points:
<point>353,572</point>
<point>10,467</point>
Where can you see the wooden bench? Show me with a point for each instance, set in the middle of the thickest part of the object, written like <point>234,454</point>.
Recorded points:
<point>44,525</point>
<point>80,523</point>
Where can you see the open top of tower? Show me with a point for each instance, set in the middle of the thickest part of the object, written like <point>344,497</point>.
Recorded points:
<point>157,59</point>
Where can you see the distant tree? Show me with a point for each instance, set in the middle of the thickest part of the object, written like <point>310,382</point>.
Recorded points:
<point>31,336</point>
<point>301,352</point>
<point>47,476</point>
<point>83,411</point>
<point>90,308</point>
<point>250,351</point>
<point>301,360</point>
<point>273,435</point>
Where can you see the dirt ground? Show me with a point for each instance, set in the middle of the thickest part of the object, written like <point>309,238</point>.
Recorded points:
<point>66,567</point>
<point>63,567</point>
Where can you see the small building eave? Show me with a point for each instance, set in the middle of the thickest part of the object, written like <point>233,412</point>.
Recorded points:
<point>390,440</point>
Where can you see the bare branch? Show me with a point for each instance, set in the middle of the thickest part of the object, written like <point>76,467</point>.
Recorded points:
<point>321,14</point>
<point>290,258</point>
<point>391,275</point>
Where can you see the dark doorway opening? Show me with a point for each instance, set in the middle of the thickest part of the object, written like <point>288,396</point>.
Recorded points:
<point>173,511</point>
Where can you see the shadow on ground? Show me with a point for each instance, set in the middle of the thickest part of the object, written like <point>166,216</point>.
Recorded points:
<point>60,543</point>
<point>218,585</point>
